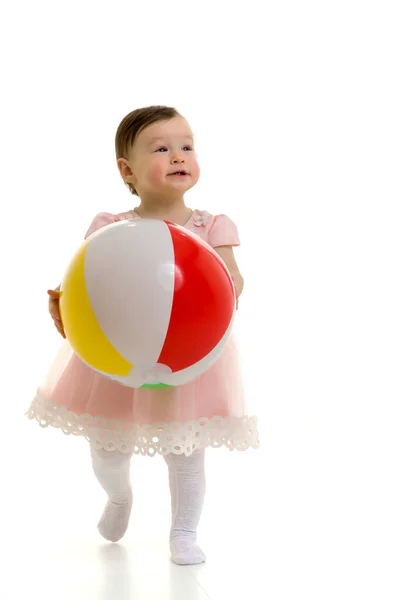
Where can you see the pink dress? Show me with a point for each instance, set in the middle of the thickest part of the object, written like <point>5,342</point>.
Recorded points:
<point>206,412</point>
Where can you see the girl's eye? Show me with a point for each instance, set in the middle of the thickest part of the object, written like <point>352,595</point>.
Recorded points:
<point>187,148</point>
<point>163,149</point>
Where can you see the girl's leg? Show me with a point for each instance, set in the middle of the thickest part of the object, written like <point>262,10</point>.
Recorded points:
<point>112,470</point>
<point>188,485</point>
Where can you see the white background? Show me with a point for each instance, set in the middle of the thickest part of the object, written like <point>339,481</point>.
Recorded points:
<point>296,110</point>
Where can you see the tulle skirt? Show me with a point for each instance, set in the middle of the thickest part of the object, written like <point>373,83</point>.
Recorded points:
<point>209,411</point>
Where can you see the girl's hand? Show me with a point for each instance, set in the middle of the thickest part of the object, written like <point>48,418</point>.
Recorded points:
<point>54,310</point>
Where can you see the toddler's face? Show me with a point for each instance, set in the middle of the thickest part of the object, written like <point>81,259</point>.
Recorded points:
<point>163,160</point>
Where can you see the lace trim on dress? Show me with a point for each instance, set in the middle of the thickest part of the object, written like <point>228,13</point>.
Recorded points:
<point>236,433</point>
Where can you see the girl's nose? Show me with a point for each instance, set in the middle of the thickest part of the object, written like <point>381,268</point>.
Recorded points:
<point>177,158</point>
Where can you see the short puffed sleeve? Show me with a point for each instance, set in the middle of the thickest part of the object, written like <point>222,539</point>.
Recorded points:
<point>101,220</point>
<point>223,232</point>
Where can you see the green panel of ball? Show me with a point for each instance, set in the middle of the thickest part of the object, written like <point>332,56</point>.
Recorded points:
<point>154,386</point>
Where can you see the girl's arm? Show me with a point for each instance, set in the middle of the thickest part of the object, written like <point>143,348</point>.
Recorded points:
<point>227,255</point>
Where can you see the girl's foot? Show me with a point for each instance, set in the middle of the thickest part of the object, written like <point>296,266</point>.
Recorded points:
<point>115,519</point>
<point>185,551</point>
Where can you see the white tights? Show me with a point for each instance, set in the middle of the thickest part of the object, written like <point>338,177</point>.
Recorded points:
<point>187,486</point>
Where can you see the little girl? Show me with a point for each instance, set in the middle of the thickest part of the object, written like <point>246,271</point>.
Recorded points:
<point>157,161</point>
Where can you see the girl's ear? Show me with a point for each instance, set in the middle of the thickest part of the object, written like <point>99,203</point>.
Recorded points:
<point>126,171</point>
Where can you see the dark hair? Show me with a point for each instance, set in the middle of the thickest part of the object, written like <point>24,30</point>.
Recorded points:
<point>134,123</point>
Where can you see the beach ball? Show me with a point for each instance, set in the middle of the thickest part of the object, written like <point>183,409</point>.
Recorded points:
<point>147,303</point>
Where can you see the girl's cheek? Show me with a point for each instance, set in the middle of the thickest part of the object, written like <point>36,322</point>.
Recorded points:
<point>156,172</point>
